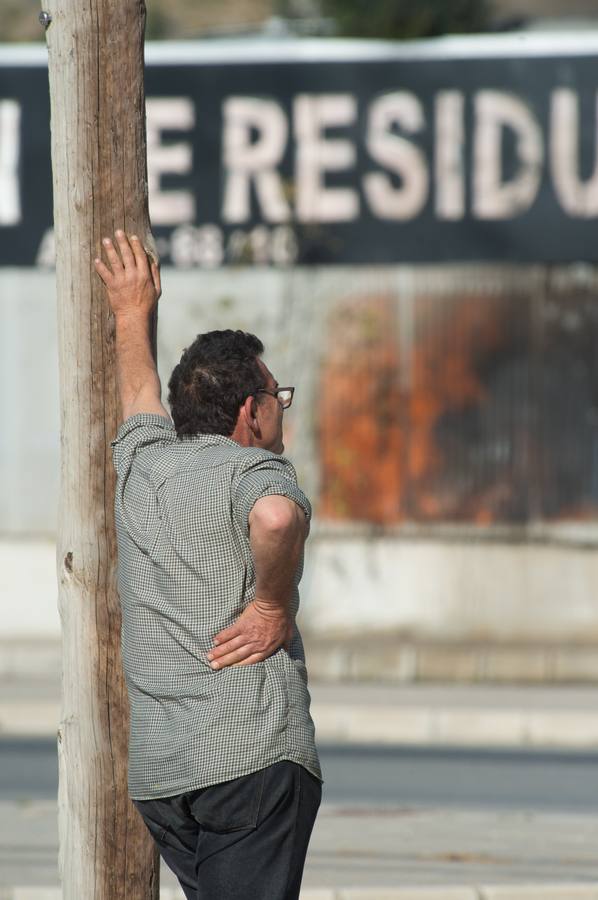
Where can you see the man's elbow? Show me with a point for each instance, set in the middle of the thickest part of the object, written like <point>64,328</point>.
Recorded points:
<point>143,401</point>
<point>277,514</point>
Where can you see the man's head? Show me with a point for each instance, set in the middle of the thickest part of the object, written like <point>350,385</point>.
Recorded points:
<point>220,386</point>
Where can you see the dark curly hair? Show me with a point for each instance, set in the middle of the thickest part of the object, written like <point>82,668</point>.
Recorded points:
<point>213,378</point>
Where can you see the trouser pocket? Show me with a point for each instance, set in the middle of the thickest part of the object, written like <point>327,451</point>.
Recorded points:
<point>230,805</point>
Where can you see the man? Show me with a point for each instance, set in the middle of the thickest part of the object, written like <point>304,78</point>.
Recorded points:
<point>211,526</point>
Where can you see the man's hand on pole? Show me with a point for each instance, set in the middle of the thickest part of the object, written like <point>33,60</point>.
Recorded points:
<point>132,280</point>
<point>133,287</point>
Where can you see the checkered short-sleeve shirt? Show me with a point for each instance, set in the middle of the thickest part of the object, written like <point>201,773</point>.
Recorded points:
<point>185,572</point>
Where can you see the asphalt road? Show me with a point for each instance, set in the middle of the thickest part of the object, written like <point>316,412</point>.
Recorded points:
<point>390,817</point>
<point>382,776</point>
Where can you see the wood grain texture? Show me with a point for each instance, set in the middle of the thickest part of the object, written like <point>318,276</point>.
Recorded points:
<point>100,184</point>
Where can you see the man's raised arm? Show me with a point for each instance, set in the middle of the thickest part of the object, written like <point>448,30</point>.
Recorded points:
<point>133,288</point>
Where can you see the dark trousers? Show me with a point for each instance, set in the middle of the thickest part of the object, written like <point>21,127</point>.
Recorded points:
<point>244,839</point>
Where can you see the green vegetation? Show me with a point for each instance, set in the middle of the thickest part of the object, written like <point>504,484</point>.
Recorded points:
<point>179,19</point>
<point>165,18</point>
<point>407,18</point>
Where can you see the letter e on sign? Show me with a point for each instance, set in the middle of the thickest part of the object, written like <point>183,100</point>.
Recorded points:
<point>317,154</point>
<point>169,114</point>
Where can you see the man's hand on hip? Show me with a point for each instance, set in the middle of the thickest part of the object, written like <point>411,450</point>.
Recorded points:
<point>277,531</point>
<point>260,631</point>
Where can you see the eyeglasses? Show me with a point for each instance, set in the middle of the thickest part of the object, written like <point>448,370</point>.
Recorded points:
<point>284,395</point>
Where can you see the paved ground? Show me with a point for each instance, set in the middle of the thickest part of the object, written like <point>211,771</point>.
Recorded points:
<point>379,777</point>
<point>375,853</point>
<point>398,849</point>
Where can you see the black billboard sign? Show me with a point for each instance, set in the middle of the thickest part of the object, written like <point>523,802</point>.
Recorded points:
<point>338,158</point>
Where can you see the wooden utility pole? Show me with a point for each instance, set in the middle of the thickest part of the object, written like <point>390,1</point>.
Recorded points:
<point>100,184</point>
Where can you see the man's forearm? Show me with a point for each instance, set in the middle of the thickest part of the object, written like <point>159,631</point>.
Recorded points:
<point>138,382</point>
<point>277,535</point>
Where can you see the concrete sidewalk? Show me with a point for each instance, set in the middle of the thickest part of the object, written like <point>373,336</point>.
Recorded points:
<point>365,853</point>
<point>459,715</point>
<point>373,853</point>
<point>540,891</point>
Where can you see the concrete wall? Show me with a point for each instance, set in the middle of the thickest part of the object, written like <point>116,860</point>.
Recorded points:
<point>529,583</point>
<point>29,438</point>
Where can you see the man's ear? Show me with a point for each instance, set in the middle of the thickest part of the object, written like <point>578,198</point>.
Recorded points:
<point>249,411</point>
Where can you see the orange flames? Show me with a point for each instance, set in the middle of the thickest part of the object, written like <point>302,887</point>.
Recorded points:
<point>379,417</point>
<point>361,435</point>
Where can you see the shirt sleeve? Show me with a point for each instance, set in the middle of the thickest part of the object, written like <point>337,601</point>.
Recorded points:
<point>136,432</point>
<point>272,475</point>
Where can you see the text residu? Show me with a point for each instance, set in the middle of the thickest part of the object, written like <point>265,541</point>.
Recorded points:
<point>400,179</point>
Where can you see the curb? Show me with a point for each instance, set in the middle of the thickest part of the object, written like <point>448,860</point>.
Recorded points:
<point>381,658</point>
<point>460,726</point>
<point>394,660</point>
<point>388,725</point>
<point>39,718</point>
<point>571,891</point>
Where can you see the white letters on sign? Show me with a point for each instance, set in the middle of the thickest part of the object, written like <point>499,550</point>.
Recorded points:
<point>246,159</point>
<point>578,198</point>
<point>10,132</point>
<point>494,198</point>
<point>397,154</point>
<point>169,207</point>
<point>316,154</point>
<point>449,146</point>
